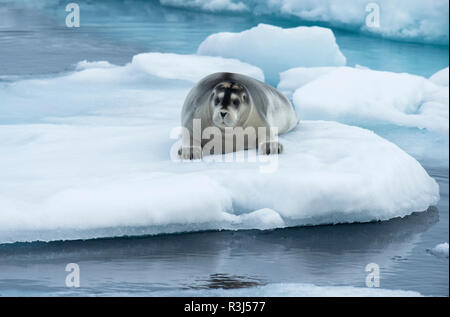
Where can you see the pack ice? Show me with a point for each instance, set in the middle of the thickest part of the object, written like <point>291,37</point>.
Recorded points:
<point>88,154</point>
<point>418,21</point>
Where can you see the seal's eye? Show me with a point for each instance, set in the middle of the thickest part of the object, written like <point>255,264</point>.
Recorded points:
<point>236,102</point>
<point>216,101</point>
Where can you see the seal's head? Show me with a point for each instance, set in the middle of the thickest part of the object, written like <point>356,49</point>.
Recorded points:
<point>229,102</point>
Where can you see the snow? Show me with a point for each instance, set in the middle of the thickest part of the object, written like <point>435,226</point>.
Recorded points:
<point>275,49</point>
<point>296,290</point>
<point>441,77</point>
<point>441,250</point>
<point>88,155</point>
<point>419,21</point>
<point>412,111</point>
<point>295,78</point>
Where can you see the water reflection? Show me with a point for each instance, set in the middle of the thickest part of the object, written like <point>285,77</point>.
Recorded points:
<point>327,255</point>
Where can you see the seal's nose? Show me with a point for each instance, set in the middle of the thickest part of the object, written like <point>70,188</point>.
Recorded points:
<point>223,114</point>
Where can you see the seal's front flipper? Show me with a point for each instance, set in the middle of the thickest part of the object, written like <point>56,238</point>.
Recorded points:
<point>190,153</point>
<point>270,147</point>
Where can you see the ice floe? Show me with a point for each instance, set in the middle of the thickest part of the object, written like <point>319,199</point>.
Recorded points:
<point>410,110</point>
<point>90,156</point>
<point>275,49</point>
<point>353,94</point>
<point>296,290</point>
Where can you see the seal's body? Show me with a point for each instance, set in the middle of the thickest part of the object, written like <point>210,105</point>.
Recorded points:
<point>228,101</point>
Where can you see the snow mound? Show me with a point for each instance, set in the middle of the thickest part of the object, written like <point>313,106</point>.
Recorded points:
<point>441,77</point>
<point>90,156</point>
<point>275,49</point>
<point>419,21</point>
<point>441,250</point>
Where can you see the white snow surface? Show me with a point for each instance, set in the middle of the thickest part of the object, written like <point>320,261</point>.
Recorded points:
<point>88,154</point>
<point>294,78</point>
<point>275,49</point>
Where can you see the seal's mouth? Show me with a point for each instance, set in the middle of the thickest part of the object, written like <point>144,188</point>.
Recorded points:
<point>223,124</point>
<point>223,119</point>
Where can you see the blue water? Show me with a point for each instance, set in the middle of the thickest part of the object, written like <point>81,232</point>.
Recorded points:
<point>117,30</point>
<point>34,42</point>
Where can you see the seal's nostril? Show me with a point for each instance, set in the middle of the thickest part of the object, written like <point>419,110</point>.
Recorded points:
<point>223,114</point>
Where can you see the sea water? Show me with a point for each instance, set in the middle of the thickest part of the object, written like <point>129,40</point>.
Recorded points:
<point>34,42</point>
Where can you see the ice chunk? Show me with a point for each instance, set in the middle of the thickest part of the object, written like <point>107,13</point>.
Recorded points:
<point>97,178</point>
<point>296,290</point>
<point>441,250</point>
<point>410,110</point>
<point>275,49</point>
<point>420,21</point>
<point>86,65</point>
<point>262,219</point>
<point>355,95</point>
<point>441,77</point>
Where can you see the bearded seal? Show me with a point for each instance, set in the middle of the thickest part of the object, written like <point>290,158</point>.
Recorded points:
<point>227,101</point>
